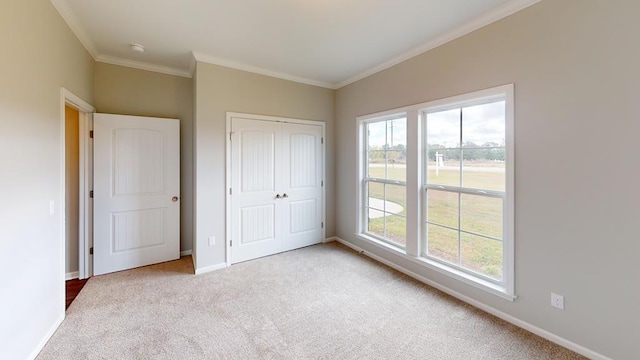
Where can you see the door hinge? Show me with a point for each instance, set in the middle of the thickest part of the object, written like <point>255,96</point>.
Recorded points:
<point>91,194</point>
<point>230,243</point>
<point>230,135</point>
<point>91,250</point>
<point>230,191</point>
<point>321,140</point>
<point>322,224</point>
<point>321,183</point>
<point>91,134</point>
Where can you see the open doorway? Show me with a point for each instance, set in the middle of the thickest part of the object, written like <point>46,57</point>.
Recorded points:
<point>73,285</point>
<point>72,191</point>
<point>76,123</point>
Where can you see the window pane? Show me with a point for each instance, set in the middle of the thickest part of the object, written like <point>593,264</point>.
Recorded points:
<point>376,222</point>
<point>484,125</point>
<point>442,243</point>
<point>376,167</point>
<point>483,174</point>
<point>443,129</point>
<point>396,165</point>
<point>481,214</point>
<point>482,255</point>
<point>396,229</point>
<point>396,199</point>
<point>445,171</point>
<point>375,213</point>
<point>376,195</point>
<point>377,135</point>
<point>442,207</point>
<point>397,134</point>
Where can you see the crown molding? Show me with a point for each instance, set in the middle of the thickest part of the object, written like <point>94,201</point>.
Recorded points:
<point>76,27</point>
<point>143,66</point>
<point>257,70</point>
<point>192,65</point>
<point>498,13</point>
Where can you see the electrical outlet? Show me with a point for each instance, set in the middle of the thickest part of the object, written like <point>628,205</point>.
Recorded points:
<point>557,301</point>
<point>212,240</point>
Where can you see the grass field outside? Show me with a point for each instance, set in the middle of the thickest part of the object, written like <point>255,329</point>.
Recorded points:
<point>472,214</point>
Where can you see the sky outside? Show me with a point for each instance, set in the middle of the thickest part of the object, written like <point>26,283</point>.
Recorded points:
<point>393,133</point>
<point>481,123</point>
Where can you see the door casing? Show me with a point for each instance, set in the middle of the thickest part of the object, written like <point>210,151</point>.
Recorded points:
<point>85,182</point>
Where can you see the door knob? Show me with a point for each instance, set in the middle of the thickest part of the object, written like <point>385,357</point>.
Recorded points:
<point>278,196</point>
<point>285,195</point>
<point>174,199</point>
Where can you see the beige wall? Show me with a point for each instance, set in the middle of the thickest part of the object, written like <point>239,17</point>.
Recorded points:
<point>128,91</point>
<point>575,68</point>
<point>220,90</point>
<point>40,55</point>
<point>72,183</point>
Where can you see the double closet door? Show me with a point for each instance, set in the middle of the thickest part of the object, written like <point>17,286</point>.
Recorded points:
<point>276,187</point>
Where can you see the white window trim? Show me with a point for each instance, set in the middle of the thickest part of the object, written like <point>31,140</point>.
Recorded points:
<point>415,192</point>
<point>362,189</point>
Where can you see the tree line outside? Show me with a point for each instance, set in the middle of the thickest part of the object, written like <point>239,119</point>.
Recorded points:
<point>470,151</point>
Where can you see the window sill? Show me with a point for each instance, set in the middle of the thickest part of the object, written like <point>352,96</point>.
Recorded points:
<point>382,243</point>
<point>469,279</point>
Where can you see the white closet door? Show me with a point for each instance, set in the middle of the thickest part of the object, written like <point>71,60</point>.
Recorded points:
<point>276,185</point>
<point>255,162</point>
<point>136,191</point>
<point>302,187</point>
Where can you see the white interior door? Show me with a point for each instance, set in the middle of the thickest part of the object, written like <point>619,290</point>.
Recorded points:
<point>136,191</point>
<point>302,185</point>
<point>255,160</point>
<point>276,185</point>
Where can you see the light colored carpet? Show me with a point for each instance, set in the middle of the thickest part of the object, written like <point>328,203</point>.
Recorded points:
<point>320,302</point>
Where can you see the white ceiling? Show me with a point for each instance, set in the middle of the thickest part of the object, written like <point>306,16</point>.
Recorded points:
<point>328,43</point>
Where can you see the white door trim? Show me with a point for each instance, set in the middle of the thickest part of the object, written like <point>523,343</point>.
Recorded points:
<point>228,169</point>
<point>85,109</point>
<point>85,232</point>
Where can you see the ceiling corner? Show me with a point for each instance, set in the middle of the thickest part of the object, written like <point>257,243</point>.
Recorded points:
<point>193,63</point>
<point>200,57</point>
<point>481,21</point>
<point>62,6</point>
<point>113,60</point>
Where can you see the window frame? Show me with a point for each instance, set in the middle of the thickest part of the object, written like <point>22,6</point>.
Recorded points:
<point>416,192</point>
<point>502,93</point>
<point>363,147</point>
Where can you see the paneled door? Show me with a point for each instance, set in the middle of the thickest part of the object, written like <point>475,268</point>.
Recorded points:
<point>302,185</point>
<point>276,187</point>
<point>255,163</point>
<point>136,191</point>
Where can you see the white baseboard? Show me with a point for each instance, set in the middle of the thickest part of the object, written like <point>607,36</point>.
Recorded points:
<point>493,311</point>
<point>211,268</point>
<point>186,253</point>
<point>71,275</point>
<point>46,337</point>
<point>329,239</point>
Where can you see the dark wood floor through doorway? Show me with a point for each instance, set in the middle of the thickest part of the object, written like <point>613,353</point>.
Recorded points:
<point>73,288</point>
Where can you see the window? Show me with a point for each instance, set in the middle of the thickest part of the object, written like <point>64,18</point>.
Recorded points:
<point>453,160</point>
<point>385,179</point>
<point>465,187</point>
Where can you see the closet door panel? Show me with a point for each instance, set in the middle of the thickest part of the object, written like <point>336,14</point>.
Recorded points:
<point>255,220</point>
<point>302,183</point>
